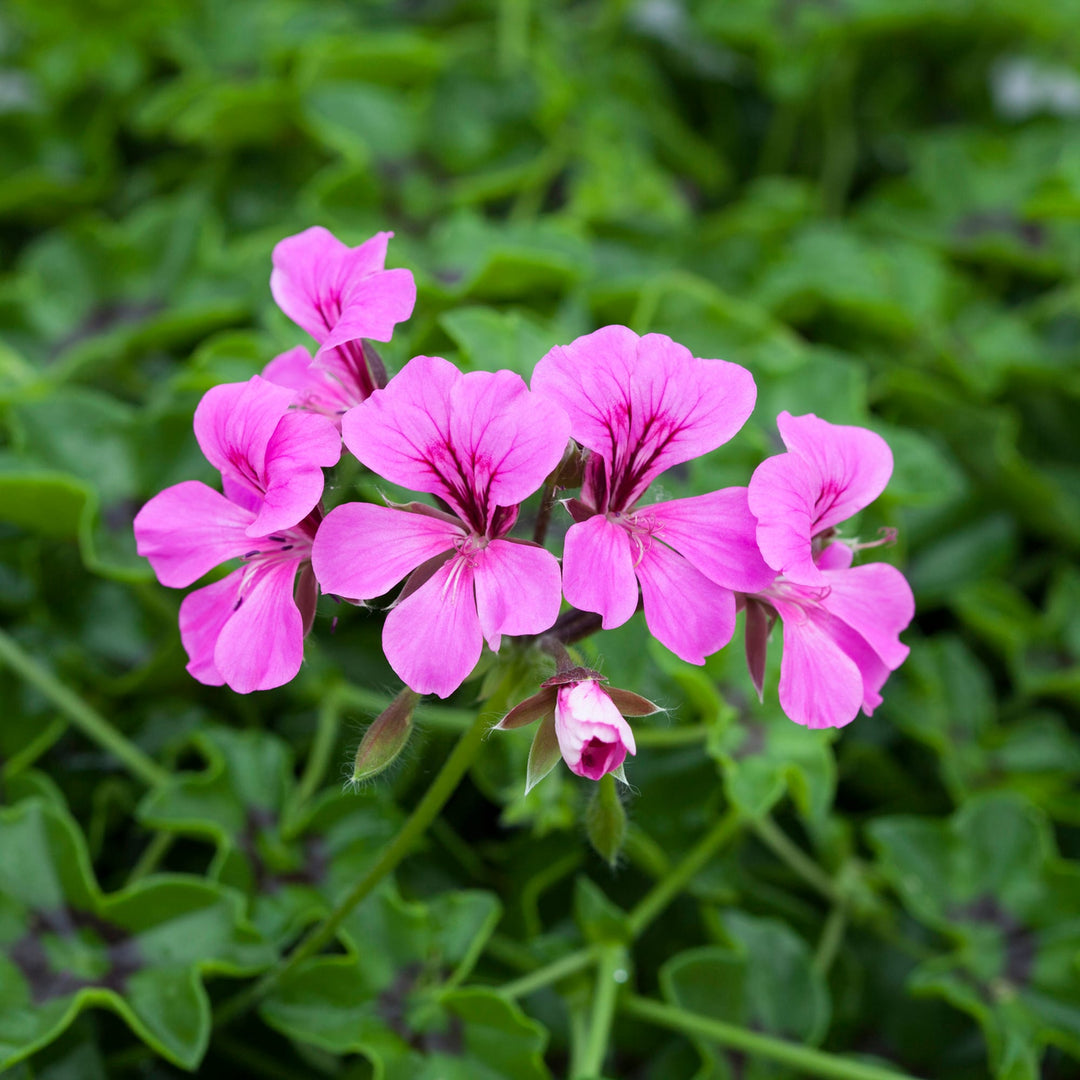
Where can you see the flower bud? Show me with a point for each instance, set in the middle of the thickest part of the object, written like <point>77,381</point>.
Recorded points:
<point>593,737</point>
<point>386,737</point>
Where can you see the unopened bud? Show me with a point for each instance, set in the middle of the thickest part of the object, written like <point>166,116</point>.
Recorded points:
<point>605,820</point>
<point>386,737</point>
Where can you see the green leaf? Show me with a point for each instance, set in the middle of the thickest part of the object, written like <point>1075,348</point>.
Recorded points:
<point>65,946</point>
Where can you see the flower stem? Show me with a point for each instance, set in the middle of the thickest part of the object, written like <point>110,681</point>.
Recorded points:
<point>549,973</point>
<point>90,722</point>
<point>774,838</point>
<point>612,962</point>
<point>326,733</point>
<point>673,883</point>
<point>804,1060</point>
<point>435,798</point>
<point>832,936</point>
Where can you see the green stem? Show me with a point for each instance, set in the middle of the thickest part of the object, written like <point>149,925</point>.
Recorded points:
<point>673,883</point>
<point>550,973</point>
<point>441,717</point>
<point>91,723</point>
<point>427,809</point>
<point>151,857</point>
<point>672,736</point>
<point>326,734</point>
<point>801,1058</point>
<point>832,936</point>
<point>612,963</point>
<point>774,838</point>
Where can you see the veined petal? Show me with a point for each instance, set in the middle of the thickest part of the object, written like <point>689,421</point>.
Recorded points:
<point>188,529</point>
<point>303,444</point>
<point>362,550</point>
<point>477,440</point>
<point>517,590</point>
<point>598,570</point>
<point>715,533</point>
<point>876,601</point>
<point>781,496</point>
<point>202,615</point>
<point>317,388</point>
<point>432,638</point>
<point>853,464</point>
<point>820,685</point>
<point>594,739</point>
<point>643,403</point>
<point>685,611</point>
<point>290,369</point>
<point>234,423</point>
<point>261,644</point>
<point>371,306</point>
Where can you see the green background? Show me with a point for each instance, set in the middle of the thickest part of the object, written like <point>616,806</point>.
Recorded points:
<point>874,205</point>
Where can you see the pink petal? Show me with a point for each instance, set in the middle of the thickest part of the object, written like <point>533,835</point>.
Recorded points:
<point>643,403</point>
<point>876,601</point>
<point>517,590</point>
<point>715,533</point>
<point>362,550</point>
<point>837,556</point>
<point>305,281</point>
<point>188,529</point>
<point>598,570</point>
<point>432,639</point>
<point>693,616</point>
<point>476,440</point>
<point>303,444</point>
<point>594,739</point>
<point>371,307</point>
<point>853,464</point>
<point>261,645</point>
<point>289,369</point>
<point>202,615</point>
<point>234,423</point>
<point>820,685</point>
<point>781,495</point>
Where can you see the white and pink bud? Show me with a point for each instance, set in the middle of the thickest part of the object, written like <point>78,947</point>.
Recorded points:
<point>594,739</point>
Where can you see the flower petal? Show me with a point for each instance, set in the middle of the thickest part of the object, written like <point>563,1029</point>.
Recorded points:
<point>517,590</point>
<point>371,306</point>
<point>715,533</point>
<point>234,423</point>
<point>684,610</point>
<point>820,685</point>
<point>781,496</point>
<point>594,739</point>
<point>643,403</point>
<point>476,440</point>
<point>188,529</point>
<point>261,645</point>
<point>876,601</point>
<point>598,570</point>
<point>289,369</point>
<point>303,444</point>
<point>362,550</point>
<point>432,639</point>
<point>853,463</point>
<point>202,615</point>
<point>318,388</point>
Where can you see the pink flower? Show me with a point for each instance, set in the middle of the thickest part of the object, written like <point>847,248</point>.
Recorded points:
<point>245,630</point>
<point>641,405</point>
<point>481,443</point>
<point>594,739</point>
<point>340,296</point>
<point>829,473</point>
<point>841,624</point>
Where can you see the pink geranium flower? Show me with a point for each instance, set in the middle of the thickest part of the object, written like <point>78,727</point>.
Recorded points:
<point>640,405</point>
<point>245,630</point>
<point>481,443</point>
<point>841,624</point>
<point>340,296</point>
<point>594,739</point>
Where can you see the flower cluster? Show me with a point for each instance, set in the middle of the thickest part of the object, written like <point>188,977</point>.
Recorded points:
<point>607,414</point>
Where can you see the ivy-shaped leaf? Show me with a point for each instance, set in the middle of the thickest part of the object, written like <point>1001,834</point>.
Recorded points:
<point>140,952</point>
<point>294,868</point>
<point>393,998</point>
<point>990,880</point>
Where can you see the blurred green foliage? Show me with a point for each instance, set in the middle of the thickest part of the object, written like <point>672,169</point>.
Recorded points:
<point>872,204</point>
